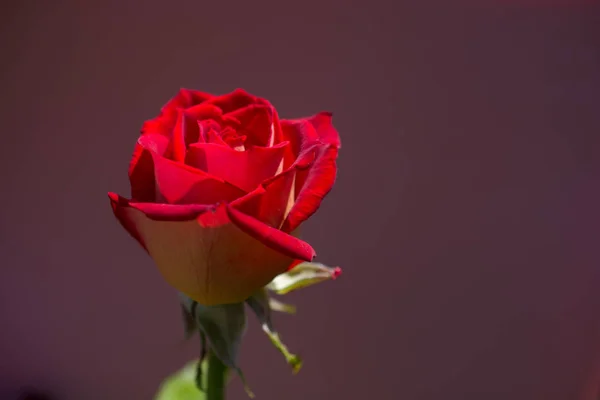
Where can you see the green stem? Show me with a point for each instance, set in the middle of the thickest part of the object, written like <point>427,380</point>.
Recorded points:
<point>216,378</point>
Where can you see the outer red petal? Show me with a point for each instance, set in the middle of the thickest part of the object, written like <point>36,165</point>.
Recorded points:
<point>163,124</point>
<point>276,127</point>
<point>318,181</point>
<point>314,136</point>
<point>141,166</point>
<point>186,98</point>
<point>178,136</point>
<point>163,212</point>
<point>239,98</point>
<point>305,132</point>
<point>203,111</point>
<point>244,169</point>
<point>302,137</point>
<point>324,127</point>
<point>271,237</point>
<point>272,200</point>
<point>211,263</point>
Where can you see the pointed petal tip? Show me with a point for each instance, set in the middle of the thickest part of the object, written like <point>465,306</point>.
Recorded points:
<point>115,200</point>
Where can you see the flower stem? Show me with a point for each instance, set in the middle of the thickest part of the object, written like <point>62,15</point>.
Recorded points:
<point>216,377</point>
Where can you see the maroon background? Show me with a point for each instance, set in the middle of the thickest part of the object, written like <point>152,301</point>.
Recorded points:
<point>466,213</point>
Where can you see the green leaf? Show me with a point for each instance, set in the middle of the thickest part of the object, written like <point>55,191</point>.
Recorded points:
<point>223,326</point>
<point>259,303</point>
<point>302,275</point>
<point>182,384</point>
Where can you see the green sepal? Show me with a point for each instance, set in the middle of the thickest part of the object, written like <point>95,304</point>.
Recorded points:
<point>259,303</point>
<point>189,324</point>
<point>223,327</point>
<point>277,305</point>
<point>302,275</point>
<point>190,327</point>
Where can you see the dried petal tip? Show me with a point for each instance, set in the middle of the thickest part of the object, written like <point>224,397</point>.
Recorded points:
<point>337,271</point>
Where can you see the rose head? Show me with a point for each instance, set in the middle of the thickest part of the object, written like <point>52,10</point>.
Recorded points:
<point>218,187</point>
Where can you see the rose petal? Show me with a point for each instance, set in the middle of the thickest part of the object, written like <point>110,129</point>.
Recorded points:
<point>316,143</point>
<point>190,129</point>
<point>317,182</point>
<point>141,166</point>
<point>276,132</point>
<point>271,201</point>
<point>213,265</point>
<point>271,237</point>
<point>302,137</point>
<point>163,212</point>
<point>164,123</point>
<point>256,122</point>
<point>187,129</point>
<point>300,133</point>
<point>204,111</point>
<point>177,144</point>
<point>181,184</point>
<point>117,203</point>
<point>186,98</point>
<point>232,101</point>
<point>211,136</point>
<point>325,129</point>
<point>244,169</point>
<point>304,132</point>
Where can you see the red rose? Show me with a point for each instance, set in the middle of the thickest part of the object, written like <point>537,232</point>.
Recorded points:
<point>218,186</point>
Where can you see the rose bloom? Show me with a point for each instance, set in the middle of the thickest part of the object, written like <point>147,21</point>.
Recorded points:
<point>219,186</point>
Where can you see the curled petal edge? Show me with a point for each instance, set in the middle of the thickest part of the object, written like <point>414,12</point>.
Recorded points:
<point>163,212</point>
<point>271,237</point>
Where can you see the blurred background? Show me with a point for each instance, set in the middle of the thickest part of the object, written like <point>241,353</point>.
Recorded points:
<point>465,216</point>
